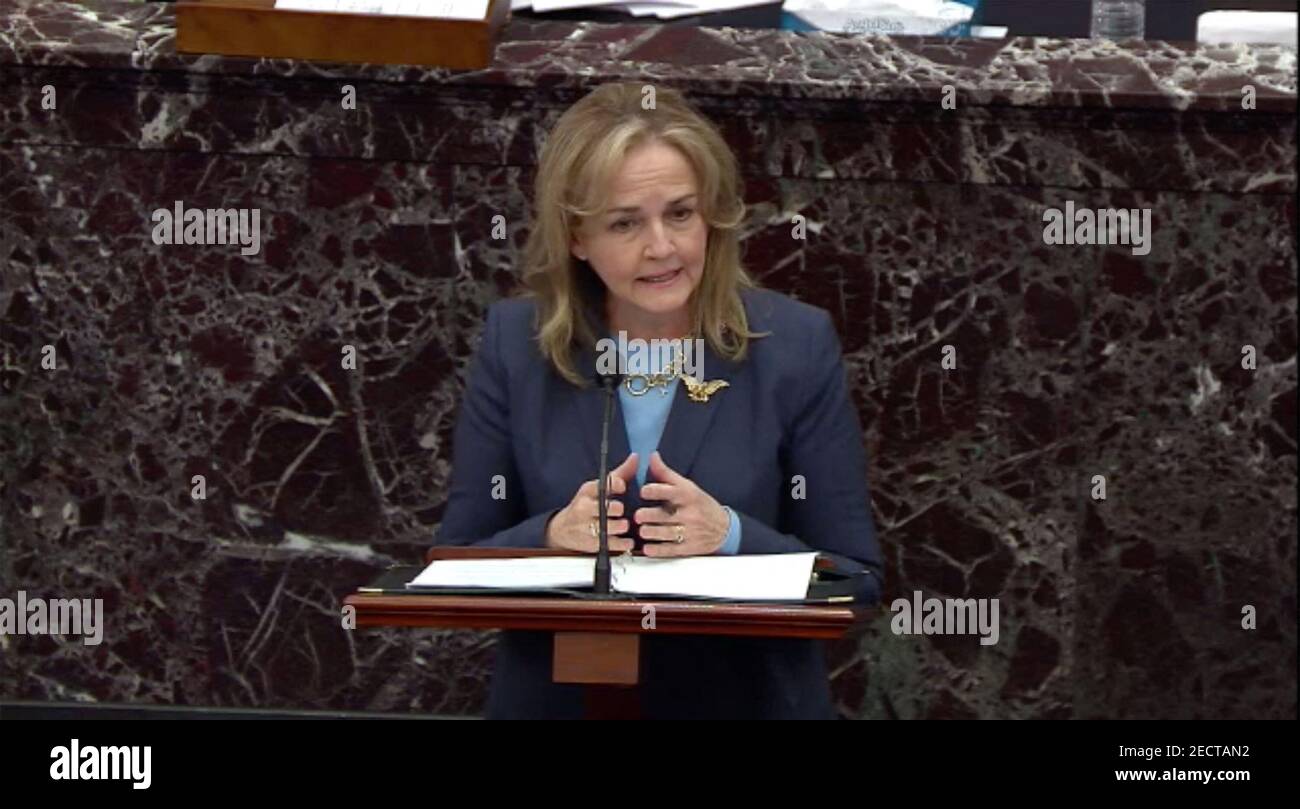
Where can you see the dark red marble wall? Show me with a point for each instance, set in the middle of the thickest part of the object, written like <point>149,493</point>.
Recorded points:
<point>926,230</point>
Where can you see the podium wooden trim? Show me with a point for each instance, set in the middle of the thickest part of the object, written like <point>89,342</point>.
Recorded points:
<point>256,28</point>
<point>597,642</point>
<point>583,615</point>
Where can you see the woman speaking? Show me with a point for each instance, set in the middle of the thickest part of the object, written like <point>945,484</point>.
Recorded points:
<point>757,450</point>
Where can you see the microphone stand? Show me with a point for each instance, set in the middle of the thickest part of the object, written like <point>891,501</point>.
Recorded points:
<point>602,582</point>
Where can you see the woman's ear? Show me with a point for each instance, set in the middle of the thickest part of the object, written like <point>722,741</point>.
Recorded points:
<point>575,247</point>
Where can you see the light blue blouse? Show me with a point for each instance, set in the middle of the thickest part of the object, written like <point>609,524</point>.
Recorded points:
<point>645,417</point>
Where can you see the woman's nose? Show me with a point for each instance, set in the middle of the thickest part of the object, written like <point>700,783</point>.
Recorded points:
<point>660,245</point>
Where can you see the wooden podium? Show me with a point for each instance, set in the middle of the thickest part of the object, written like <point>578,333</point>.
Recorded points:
<point>598,643</point>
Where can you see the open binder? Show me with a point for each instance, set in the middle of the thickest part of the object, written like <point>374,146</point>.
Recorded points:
<point>830,583</point>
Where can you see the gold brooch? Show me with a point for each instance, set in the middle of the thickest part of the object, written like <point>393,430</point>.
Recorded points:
<point>701,391</point>
<point>640,384</point>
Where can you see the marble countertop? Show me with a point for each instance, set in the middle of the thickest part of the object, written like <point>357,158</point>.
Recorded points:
<point>1020,72</point>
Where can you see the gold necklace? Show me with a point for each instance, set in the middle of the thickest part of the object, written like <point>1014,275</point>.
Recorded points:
<point>659,380</point>
<point>696,391</point>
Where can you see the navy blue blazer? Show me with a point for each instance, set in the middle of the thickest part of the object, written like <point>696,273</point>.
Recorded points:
<point>786,413</point>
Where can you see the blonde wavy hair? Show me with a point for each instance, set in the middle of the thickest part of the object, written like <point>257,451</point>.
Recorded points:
<point>581,155</point>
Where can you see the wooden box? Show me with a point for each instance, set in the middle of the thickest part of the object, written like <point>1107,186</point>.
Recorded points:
<point>257,28</point>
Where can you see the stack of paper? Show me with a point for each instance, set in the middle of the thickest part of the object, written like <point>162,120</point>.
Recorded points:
<point>758,577</point>
<point>1247,26</point>
<point>446,9</point>
<point>870,16</point>
<point>663,9</point>
<point>884,17</point>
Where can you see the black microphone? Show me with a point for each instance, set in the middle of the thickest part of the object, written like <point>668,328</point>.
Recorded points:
<point>601,585</point>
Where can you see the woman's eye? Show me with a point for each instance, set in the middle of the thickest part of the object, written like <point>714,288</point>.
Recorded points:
<point>682,215</point>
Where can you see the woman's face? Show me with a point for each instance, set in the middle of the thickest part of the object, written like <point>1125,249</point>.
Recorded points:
<point>648,246</point>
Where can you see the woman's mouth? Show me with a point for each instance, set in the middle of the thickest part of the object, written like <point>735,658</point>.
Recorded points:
<point>663,279</point>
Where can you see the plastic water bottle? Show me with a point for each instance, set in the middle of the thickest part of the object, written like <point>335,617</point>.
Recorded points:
<point>1118,19</point>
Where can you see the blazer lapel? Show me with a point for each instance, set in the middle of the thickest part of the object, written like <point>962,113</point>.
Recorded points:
<point>689,421</point>
<point>591,412</point>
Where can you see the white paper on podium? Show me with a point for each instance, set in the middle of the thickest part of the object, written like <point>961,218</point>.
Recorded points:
<point>537,571</point>
<point>778,576</point>
<point>443,9</point>
<point>762,577</point>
